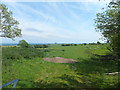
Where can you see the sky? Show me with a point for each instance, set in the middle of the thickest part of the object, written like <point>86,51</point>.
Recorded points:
<point>57,21</point>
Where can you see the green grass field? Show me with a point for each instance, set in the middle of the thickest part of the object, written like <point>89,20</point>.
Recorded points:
<point>88,72</point>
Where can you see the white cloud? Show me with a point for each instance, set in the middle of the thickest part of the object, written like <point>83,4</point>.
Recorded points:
<point>52,32</point>
<point>52,28</point>
<point>45,30</point>
<point>25,11</point>
<point>56,0</point>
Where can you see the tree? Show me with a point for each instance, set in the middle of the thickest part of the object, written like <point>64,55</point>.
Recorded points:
<point>108,23</point>
<point>98,42</point>
<point>8,25</point>
<point>23,44</point>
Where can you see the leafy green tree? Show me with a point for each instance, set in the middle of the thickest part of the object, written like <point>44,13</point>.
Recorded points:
<point>23,44</point>
<point>108,23</point>
<point>8,25</point>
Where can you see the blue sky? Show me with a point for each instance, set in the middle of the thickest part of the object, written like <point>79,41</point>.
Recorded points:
<point>61,22</point>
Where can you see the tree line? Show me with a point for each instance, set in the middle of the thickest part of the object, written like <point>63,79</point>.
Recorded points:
<point>24,44</point>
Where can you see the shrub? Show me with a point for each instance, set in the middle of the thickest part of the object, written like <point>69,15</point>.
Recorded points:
<point>23,44</point>
<point>20,53</point>
<point>98,42</point>
<point>40,46</point>
<point>68,44</point>
<point>84,43</point>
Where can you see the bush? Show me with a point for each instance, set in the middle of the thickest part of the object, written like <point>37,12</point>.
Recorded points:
<point>98,42</point>
<point>93,43</point>
<point>65,45</point>
<point>40,46</point>
<point>68,44</point>
<point>23,44</point>
<point>84,43</point>
<point>20,53</point>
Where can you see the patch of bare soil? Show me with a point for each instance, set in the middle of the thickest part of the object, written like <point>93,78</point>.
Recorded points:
<point>60,60</point>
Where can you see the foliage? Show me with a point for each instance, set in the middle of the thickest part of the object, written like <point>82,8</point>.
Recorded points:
<point>92,44</point>
<point>108,23</point>
<point>68,44</point>
<point>9,26</point>
<point>84,43</point>
<point>23,44</point>
<point>115,43</point>
<point>40,46</point>
<point>15,53</point>
<point>98,42</point>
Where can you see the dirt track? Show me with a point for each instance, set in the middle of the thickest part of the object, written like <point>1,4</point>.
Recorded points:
<point>60,60</point>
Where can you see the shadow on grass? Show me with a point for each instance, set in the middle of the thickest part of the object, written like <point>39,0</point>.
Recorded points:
<point>67,81</point>
<point>26,84</point>
<point>107,57</point>
<point>90,81</point>
<point>96,64</point>
<point>90,73</point>
<point>50,84</point>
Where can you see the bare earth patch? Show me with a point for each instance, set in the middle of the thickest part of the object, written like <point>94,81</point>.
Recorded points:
<point>60,60</point>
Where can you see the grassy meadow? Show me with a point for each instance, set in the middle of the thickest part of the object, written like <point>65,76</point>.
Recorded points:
<point>89,71</point>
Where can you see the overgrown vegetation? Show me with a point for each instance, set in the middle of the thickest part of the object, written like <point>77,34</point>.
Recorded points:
<point>15,53</point>
<point>39,46</point>
<point>89,71</point>
<point>68,44</point>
